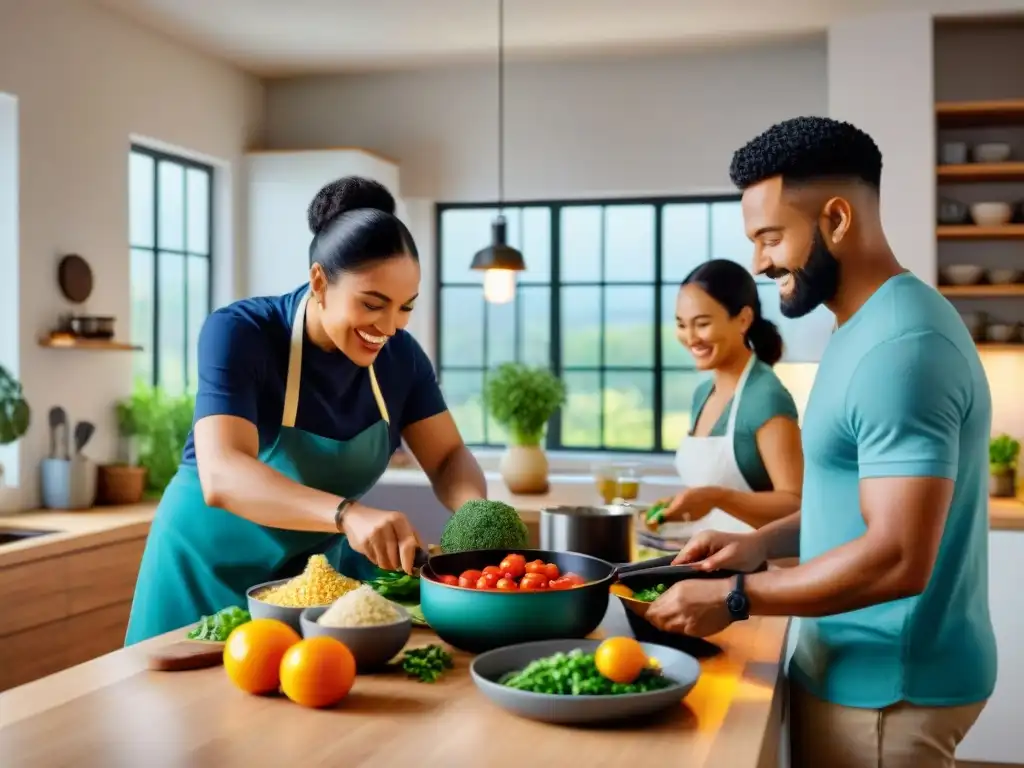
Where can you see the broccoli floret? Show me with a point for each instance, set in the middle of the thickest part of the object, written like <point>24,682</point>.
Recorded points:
<point>482,524</point>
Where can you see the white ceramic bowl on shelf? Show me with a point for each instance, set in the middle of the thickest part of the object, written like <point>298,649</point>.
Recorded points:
<point>991,152</point>
<point>1007,276</point>
<point>963,274</point>
<point>1001,333</point>
<point>991,214</point>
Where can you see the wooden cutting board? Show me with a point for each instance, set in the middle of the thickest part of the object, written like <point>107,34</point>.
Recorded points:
<point>187,654</point>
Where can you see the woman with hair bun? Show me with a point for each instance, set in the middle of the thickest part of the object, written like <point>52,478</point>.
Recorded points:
<point>302,400</point>
<point>741,464</point>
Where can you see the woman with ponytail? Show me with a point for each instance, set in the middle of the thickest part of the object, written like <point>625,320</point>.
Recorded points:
<point>741,463</point>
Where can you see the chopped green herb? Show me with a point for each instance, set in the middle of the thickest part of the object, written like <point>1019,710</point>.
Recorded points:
<point>575,674</point>
<point>218,626</point>
<point>396,585</point>
<point>650,594</point>
<point>426,664</point>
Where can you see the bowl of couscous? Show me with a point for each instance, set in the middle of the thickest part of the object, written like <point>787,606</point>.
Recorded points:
<point>374,628</point>
<point>285,599</point>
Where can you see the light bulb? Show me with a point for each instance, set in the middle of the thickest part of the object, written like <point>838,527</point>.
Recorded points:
<point>499,285</point>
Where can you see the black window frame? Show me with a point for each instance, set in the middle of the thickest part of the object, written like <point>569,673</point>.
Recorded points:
<point>553,437</point>
<point>186,163</point>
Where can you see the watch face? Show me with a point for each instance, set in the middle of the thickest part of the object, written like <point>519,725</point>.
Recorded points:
<point>736,602</point>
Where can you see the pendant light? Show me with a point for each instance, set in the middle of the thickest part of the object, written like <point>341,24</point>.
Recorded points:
<point>499,261</point>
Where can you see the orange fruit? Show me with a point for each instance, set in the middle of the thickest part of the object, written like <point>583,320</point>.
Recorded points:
<point>317,672</point>
<point>253,651</point>
<point>620,659</point>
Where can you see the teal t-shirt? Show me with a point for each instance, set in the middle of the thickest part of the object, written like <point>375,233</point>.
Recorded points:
<point>900,392</point>
<point>764,398</point>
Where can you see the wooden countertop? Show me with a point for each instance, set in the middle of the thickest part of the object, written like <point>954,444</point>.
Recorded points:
<point>112,711</point>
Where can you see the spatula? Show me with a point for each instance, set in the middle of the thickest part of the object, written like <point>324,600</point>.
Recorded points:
<point>83,433</point>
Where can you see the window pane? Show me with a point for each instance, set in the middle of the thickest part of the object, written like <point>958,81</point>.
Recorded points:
<point>463,392</point>
<point>629,326</point>
<point>170,202</point>
<point>629,410</point>
<point>581,416</point>
<point>142,314</point>
<point>171,319</point>
<point>677,392</point>
<point>536,245</point>
<point>728,238</point>
<point>580,244</point>
<point>501,333</point>
<point>581,326</point>
<point>535,325</point>
<point>462,327</point>
<point>684,240</point>
<point>198,189</point>
<point>198,309</point>
<point>464,231</point>
<point>629,243</point>
<point>140,199</point>
<point>673,353</point>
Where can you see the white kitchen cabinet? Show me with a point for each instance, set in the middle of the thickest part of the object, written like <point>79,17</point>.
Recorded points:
<point>281,186</point>
<point>997,737</point>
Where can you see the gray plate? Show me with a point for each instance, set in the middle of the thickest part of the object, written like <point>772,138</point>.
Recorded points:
<point>488,668</point>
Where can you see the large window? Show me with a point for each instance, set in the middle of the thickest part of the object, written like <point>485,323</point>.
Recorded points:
<point>596,305</point>
<point>170,212</point>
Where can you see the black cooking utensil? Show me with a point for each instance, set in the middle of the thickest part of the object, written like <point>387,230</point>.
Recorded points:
<point>83,433</point>
<point>58,425</point>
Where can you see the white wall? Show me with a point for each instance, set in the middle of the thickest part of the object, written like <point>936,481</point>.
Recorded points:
<point>85,82</point>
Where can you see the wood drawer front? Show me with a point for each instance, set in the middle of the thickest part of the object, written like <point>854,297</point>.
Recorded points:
<point>97,632</point>
<point>103,576</point>
<point>33,594</point>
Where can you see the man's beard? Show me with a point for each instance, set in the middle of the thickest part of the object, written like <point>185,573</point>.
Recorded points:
<point>814,283</point>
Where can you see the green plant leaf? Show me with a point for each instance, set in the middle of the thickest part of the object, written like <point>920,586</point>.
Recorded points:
<point>1003,452</point>
<point>522,400</point>
<point>160,423</point>
<point>15,414</point>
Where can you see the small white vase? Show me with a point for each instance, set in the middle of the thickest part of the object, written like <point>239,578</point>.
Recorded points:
<point>524,468</point>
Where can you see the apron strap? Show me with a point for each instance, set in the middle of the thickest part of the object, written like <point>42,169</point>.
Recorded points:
<point>291,388</point>
<point>734,409</point>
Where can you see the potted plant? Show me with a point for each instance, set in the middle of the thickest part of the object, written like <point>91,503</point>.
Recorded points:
<point>15,415</point>
<point>1003,453</point>
<point>522,401</point>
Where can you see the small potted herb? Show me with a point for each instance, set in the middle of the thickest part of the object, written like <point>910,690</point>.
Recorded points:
<point>522,401</point>
<point>1003,454</point>
<point>15,414</point>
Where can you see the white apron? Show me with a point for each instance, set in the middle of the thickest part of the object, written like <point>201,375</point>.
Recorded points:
<point>711,461</point>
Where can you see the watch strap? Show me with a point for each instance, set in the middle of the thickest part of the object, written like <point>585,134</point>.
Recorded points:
<point>736,601</point>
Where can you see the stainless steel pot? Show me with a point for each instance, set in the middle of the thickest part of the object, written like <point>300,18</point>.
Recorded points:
<point>607,532</point>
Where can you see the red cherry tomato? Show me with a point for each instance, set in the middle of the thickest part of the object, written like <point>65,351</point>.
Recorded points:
<point>506,583</point>
<point>468,579</point>
<point>451,581</point>
<point>495,570</point>
<point>551,571</point>
<point>534,581</point>
<point>487,581</point>
<point>560,583</point>
<point>575,578</point>
<point>514,566</point>
<point>536,566</point>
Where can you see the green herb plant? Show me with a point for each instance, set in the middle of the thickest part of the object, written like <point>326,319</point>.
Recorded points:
<point>15,415</point>
<point>426,664</point>
<point>154,426</point>
<point>218,626</point>
<point>1003,453</point>
<point>575,674</point>
<point>522,401</point>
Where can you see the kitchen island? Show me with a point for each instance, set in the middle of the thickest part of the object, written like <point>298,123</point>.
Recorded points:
<point>112,711</point>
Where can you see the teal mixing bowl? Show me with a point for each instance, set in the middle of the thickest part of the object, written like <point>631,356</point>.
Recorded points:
<point>481,620</point>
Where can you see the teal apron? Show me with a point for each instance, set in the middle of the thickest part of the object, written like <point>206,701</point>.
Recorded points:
<point>199,559</point>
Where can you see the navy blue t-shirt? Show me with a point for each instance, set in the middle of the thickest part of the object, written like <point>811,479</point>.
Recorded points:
<point>243,367</point>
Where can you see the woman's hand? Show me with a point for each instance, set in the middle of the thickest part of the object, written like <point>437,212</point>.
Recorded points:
<point>386,538</point>
<point>689,505</point>
<point>714,550</point>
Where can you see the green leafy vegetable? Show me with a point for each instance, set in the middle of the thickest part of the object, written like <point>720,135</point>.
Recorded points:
<point>483,524</point>
<point>396,585</point>
<point>575,674</point>
<point>523,400</point>
<point>220,625</point>
<point>1003,452</point>
<point>656,514</point>
<point>650,594</point>
<point>426,664</point>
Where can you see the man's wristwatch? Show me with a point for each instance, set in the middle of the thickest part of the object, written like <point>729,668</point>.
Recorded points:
<point>339,514</point>
<point>736,601</point>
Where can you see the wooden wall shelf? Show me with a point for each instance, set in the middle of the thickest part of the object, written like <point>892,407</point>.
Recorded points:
<point>968,172</point>
<point>967,114</point>
<point>95,345</point>
<point>974,232</point>
<point>982,291</point>
<point>988,346</point>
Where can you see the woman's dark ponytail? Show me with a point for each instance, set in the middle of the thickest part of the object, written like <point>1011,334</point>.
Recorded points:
<point>765,339</point>
<point>734,288</point>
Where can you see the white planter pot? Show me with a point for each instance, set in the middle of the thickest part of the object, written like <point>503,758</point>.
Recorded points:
<point>524,468</point>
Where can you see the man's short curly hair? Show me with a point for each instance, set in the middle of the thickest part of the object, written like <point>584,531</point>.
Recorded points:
<point>808,149</point>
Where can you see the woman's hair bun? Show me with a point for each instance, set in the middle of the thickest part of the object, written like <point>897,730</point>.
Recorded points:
<point>347,194</point>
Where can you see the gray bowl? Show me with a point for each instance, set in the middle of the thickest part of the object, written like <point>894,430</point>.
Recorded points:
<point>488,668</point>
<point>260,610</point>
<point>372,647</point>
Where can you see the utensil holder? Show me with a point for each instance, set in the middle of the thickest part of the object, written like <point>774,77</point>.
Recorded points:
<point>68,483</point>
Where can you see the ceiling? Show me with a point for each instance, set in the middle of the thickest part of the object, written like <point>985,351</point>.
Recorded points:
<point>275,38</point>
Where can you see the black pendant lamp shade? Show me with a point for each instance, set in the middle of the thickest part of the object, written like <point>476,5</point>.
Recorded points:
<point>498,255</point>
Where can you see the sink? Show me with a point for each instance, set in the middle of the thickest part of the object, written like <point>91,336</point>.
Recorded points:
<point>14,535</point>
